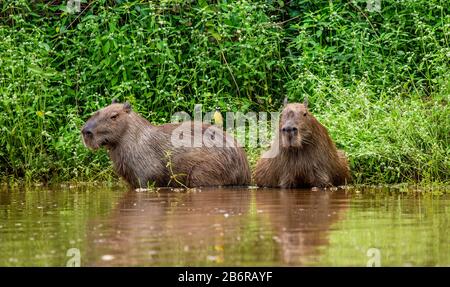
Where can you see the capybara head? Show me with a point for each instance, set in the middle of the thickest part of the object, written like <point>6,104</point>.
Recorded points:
<point>107,126</point>
<point>296,125</point>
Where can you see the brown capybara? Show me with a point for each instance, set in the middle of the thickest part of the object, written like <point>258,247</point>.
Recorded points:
<point>178,154</point>
<point>303,154</point>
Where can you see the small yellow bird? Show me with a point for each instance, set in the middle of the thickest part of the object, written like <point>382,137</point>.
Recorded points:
<point>218,119</point>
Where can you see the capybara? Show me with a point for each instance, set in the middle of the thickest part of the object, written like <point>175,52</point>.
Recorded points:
<point>303,155</point>
<point>144,154</point>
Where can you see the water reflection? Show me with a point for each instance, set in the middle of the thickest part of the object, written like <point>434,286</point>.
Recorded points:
<point>170,228</point>
<point>301,221</point>
<point>231,227</point>
<point>38,225</point>
<point>111,226</point>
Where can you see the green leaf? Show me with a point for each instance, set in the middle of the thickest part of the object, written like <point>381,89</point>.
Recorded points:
<point>106,47</point>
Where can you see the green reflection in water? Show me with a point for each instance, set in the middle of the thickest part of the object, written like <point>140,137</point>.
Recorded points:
<point>212,227</point>
<point>408,230</point>
<point>38,226</point>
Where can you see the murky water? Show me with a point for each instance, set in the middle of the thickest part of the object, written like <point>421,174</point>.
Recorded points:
<point>110,226</point>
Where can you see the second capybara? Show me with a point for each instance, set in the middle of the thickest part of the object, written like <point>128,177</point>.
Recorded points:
<point>303,155</point>
<point>167,155</point>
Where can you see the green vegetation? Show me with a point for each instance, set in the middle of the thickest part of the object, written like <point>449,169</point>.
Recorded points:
<point>380,81</point>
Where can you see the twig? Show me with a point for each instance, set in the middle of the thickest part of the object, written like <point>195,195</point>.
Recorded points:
<point>231,72</point>
<point>172,175</point>
<point>285,21</point>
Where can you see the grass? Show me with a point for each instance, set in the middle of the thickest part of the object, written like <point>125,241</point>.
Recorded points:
<point>379,81</point>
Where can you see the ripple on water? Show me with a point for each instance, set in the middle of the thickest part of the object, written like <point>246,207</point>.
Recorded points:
<point>225,226</point>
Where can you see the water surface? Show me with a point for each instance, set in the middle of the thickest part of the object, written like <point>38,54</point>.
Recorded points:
<point>112,226</point>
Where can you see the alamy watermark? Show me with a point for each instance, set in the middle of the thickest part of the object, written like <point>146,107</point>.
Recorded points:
<point>73,6</point>
<point>249,129</point>
<point>374,255</point>
<point>373,5</point>
<point>75,257</point>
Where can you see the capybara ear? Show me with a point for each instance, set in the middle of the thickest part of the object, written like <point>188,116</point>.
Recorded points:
<point>127,107</point>
<point>114,101</point>
<point>305,102</point>
<point>285,101</point>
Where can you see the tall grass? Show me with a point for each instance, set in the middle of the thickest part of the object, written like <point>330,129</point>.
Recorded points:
<point>378,80</point>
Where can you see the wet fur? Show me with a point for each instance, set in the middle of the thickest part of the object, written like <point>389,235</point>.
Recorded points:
<point>313,160</point>
<point>139,151</point>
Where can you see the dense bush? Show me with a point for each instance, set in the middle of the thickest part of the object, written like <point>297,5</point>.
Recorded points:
<point>379,80</point>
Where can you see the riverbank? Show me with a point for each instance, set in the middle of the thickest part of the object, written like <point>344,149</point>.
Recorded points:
<point>378,80</point>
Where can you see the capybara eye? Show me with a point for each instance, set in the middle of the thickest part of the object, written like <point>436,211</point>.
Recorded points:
<point>113,117</point>
<point>304,114</point>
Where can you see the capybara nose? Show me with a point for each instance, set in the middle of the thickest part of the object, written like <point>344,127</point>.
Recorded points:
<point>86,131</point>
<point>289,129</point>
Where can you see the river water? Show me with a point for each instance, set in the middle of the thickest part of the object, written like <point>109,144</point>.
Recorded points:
<point>106,225</point>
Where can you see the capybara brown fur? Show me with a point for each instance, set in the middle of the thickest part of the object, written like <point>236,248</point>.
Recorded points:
<point>144,154</point>
<point>303,155</point>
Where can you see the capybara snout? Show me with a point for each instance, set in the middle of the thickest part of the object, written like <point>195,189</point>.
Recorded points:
<point>106,126</point>
<point>294,126</point>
